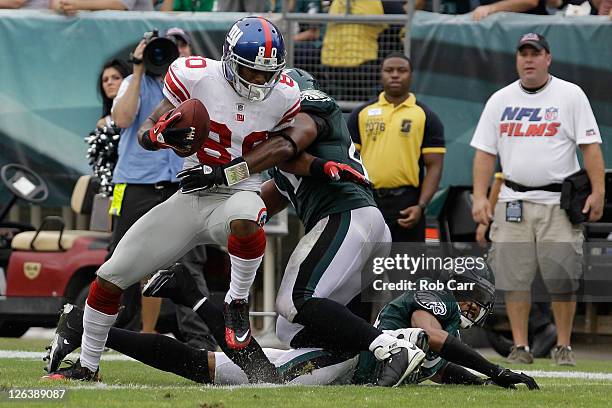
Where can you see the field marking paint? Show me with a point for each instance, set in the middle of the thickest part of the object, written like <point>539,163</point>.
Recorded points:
<point>36,355</point>
<point>583,375</point>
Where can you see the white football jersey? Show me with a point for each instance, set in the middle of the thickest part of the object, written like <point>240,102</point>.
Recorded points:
<point>535,135</point>
<point>236,124</point>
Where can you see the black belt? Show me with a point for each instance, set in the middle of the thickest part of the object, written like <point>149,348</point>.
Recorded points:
<point>386,192</point>
<point>160,185</point>
<point>553,188</point>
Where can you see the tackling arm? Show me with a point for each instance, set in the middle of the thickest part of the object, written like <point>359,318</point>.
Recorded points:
<point>452,349</point>
<point>274,200</point>
<point>289,143</point>
<point>424,320</point>
<point>455,374</point>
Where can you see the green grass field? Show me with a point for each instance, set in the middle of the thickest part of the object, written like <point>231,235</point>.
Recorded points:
<point>128,383</point>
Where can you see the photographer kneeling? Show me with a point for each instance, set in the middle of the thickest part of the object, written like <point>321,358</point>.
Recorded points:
<point>144,178</point>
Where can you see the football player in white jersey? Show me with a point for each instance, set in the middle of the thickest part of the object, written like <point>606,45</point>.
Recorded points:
<point>247,97</point>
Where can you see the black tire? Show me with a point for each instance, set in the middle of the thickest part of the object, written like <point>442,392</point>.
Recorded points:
<point>80,299</point>
<point>13,329</point>
<point>544,340</point>
<point>501,342</point>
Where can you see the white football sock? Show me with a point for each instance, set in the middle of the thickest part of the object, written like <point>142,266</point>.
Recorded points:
<point>243,275</point>
<point>96,326</point>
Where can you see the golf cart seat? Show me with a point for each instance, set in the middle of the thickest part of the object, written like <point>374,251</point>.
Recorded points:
<point>58,239</point>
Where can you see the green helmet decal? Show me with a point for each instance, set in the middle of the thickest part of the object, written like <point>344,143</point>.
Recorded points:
<point>304,80</point>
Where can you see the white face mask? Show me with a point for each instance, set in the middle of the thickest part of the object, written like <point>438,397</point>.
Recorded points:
<point>252,92</point>
<point>467,323</point>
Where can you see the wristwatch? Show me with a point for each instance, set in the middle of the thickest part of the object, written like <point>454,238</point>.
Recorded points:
<point>422,206</point>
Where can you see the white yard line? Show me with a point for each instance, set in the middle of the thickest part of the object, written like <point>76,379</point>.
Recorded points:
<point>570,374</point>
<point>36,355</point>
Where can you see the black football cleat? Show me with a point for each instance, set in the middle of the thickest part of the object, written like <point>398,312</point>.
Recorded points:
<point>237,325</point>
<point>74,372</point>
<point>405,359</point>
<point>67,337</point>
<point>174,283</point>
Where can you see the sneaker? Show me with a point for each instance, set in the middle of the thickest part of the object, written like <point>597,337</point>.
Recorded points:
<point>67,337</point>
<point>237,325</point>
<point>405,359</point>
<point>75,372</point>
<point>519,355</point>
<point>174,283</point>
<point>563,356</point>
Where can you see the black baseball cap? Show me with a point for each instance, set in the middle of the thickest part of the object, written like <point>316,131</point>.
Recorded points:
<point>535,40</point>
<point>180,33</point>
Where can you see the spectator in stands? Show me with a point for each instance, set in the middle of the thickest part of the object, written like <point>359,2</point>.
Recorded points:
<point>572,7</point>
<point>242,5</point>
<point>528,208</point>
<point>183,40</point>
<point>604,7</point>
<point>71,7</point>
<point>187,5</point>
<point>113,73</point>
<point>350,51</point>
<point>307,32</point>
<point>401,142</point>
<point>488,7</point>
<point>24,4</point>
<point>144,179</point>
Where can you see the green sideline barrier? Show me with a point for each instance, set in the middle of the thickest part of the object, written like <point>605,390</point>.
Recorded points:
<point>459,64</point>
<point>49,66</point>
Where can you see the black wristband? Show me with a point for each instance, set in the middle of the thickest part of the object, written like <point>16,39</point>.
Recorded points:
<point>292,142</point>
<point>146,142</point>
<point>317,168</point>
<point>134,60</point>
<point>460,353</point>
<point>455,374</point>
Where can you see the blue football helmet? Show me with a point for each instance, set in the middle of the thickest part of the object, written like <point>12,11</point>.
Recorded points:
<point>255,43</point>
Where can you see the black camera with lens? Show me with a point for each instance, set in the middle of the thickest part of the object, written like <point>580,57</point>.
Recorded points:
<point>159,53</point>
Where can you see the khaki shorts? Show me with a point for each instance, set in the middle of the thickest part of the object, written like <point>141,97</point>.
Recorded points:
<point>544,240</point>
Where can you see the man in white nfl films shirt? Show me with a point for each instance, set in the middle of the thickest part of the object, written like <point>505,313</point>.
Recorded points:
<point>534,125</point>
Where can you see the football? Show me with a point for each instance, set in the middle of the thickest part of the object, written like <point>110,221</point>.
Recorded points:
<point>194,114</point>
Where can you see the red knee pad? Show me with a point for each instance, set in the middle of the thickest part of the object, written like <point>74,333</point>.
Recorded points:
<point>103,300</point>
<point>250,247</point>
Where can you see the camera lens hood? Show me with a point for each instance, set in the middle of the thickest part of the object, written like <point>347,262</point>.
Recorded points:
<point>158,54</point>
